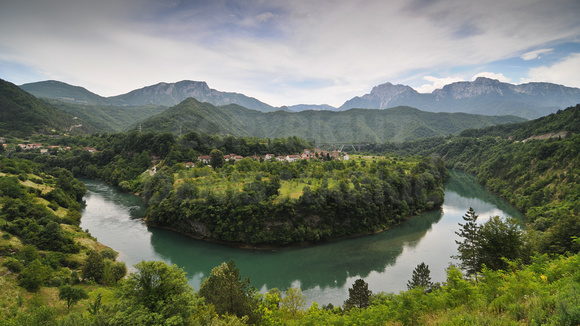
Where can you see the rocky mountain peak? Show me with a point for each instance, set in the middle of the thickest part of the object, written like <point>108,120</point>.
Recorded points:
<point>388,91</point>
<point>479,86</point>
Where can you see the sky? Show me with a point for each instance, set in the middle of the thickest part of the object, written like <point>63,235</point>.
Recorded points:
<point>287,52</point>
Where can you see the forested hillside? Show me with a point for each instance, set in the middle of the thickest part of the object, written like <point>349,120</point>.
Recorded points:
<point>356,125</point>
<point>534,165</point>
<point>22,114</point>
<point>108,118</point>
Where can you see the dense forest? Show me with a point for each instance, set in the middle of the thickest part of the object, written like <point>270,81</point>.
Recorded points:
<point>279,202</point>
<point>508,275</point>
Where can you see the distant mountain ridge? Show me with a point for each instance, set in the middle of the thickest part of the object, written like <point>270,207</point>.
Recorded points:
<point>482,96</point>
<point>351,126</point>
<point>165,94</point>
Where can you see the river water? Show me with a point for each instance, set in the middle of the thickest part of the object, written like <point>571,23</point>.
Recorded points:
<point>324,272</point>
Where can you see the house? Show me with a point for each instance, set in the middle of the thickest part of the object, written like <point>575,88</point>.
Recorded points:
<point>304,156</point>
<point>268,157</point>
<point>44,151</point>
<point>227,157</point>
<point>292,158</point>
<point>238,158</point>
<point>346,157</point>
<point>307,151</point>
<point>2,140</point>
<point>189,165</point>
<point>90,149</point>
<point>205,159</point>
<point>281,158</point>
<point>33,146</point>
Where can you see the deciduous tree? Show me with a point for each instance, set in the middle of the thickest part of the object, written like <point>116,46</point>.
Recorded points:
<point>71,295</point>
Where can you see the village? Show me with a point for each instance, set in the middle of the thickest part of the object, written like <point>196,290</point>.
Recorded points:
<point>307,154</point>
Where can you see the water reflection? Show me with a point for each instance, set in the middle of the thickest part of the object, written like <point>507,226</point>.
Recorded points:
<point>324,272</point>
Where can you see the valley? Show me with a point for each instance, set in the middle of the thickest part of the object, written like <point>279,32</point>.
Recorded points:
<point>174,153</point>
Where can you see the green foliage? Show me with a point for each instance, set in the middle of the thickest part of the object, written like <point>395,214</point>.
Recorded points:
<point>281,203</point>
<point>33,276</point>
<point>109,253</point>
<point>537,175</point>
<point>293,303</point>
<point>71,295</point>
<point>13,264</point>
<point>217,158</point>
<point>94,267</point>
<point>155,294</point>
<point>421,278</point>
<point>468,248</point>
<point>227,292</point>
<point>358,296</point>
<point>113,272</point>
<point>499,240</point>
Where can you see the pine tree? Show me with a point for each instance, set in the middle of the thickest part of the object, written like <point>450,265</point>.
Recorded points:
<point>421,277</point>
<point>469,248</point>
<point>358,295</point>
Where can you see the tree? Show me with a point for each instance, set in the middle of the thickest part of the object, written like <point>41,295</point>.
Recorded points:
<point>71,295</point>
<point>499,239</point>
<point>217,158</point>
<point>33,276</point>
<point>225,289</point>
<point>293,302</point>
<point>469,248</point>
<point>421,277</point>
<point>155,294</point>
<point>94,268</point>
<point>358,295</point>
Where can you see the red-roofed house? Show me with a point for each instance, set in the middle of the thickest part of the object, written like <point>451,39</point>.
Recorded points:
<point>205,159</point>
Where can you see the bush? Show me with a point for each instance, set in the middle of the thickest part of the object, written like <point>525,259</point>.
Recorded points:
<point>109,253</point>
<point>13,265</point>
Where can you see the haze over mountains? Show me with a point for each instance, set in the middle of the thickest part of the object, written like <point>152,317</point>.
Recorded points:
<point>482,96</point>
<point>351,126</point>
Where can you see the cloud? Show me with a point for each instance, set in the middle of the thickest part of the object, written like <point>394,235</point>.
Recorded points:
<point>264,17</point>
<point>565,72</point>
<point>535,54</point>
<point>271,49</point>
<point>492,75</point>
<point>436,83</point>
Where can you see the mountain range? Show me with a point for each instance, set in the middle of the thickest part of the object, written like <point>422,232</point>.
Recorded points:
<point>163,94</point>
<point>350,126</point>
<point>481,96</point>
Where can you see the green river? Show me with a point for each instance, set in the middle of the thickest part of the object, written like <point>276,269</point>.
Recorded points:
<point>324,272</point>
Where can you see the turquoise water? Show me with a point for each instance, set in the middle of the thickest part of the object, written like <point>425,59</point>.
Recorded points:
<point>324,272</point>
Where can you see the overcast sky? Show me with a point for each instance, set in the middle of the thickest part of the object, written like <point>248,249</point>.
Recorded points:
<point>287,52</point>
